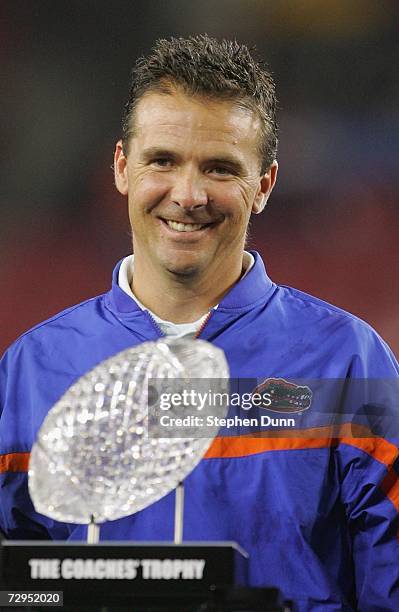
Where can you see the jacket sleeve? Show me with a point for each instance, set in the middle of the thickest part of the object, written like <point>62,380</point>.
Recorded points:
<point>369,462</point>
<point>18,518</point>
<point>370,492</point>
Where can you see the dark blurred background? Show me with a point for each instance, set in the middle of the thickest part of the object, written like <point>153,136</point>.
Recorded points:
<point>332,225</point>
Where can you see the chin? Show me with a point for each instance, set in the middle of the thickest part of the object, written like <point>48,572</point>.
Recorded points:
<point>179,268</point>
<point>183,271</point>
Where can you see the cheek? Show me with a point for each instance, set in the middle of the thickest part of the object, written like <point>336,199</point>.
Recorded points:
<point>234,201</point>
<point>146,191</point>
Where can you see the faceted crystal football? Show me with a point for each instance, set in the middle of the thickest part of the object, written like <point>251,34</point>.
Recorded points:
<point>102,453</point>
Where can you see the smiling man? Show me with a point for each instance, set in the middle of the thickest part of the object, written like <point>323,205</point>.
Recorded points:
<point>192,172</point>
<point>197,159</point>
<point>315,508</point>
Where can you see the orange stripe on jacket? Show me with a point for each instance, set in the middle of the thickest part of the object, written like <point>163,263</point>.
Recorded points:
<point>14,462</point>
<point>390,486</point>
<point>295,439</point>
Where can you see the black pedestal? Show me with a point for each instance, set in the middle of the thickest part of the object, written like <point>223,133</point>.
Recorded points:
<point>135,576</point>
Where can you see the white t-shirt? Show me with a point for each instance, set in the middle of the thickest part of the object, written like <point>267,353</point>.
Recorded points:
<point>175,330</point>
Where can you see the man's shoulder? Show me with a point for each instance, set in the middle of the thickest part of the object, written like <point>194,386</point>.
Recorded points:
<point>81,314</point>
<point>330,326</point>
<point>294,308</point>
<point>314,308</point>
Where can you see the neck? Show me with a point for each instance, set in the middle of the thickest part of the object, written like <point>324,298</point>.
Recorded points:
<point>180,299</point>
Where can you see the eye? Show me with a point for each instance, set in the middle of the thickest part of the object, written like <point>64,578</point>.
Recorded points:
<point>221,170</point>
<point>162,162</point>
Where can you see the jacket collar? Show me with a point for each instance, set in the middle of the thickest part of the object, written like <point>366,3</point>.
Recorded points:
<point>256,286</point>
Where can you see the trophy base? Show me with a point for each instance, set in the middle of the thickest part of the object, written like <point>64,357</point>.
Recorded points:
<point>147,576</point>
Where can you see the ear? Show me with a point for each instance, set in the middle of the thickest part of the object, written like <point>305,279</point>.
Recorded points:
<point>266,184</point>
<point>120,169</point>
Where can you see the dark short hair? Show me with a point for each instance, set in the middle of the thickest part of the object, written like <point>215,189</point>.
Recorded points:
<point>206,67</point>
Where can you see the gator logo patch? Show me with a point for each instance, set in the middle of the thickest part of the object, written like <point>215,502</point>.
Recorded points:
<point>285,396</point>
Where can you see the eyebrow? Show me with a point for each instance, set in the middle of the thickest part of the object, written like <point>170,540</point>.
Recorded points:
<point>225,160</point>
<point>152,152</point>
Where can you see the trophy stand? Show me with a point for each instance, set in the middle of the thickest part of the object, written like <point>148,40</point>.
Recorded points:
<point>93,532</point>
<point>179,513</point>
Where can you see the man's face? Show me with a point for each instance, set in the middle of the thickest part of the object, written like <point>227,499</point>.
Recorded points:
<point>192,176</point>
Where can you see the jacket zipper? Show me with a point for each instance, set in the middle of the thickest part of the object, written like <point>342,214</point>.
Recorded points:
<point>201,329</point>
<point>159,330</point>
<point>155,324</point>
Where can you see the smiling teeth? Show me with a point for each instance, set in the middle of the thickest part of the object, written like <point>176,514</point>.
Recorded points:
<point>185,227</point>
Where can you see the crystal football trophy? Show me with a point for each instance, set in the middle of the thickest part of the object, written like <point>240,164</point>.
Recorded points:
<point>100,456</point>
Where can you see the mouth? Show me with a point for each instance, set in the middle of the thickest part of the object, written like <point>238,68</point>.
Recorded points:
<point>177,226</point>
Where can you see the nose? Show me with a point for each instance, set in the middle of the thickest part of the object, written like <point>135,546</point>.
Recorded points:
<point>188,190</point>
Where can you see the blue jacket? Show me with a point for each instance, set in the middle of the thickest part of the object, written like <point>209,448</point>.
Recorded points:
<point>317,512</point>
